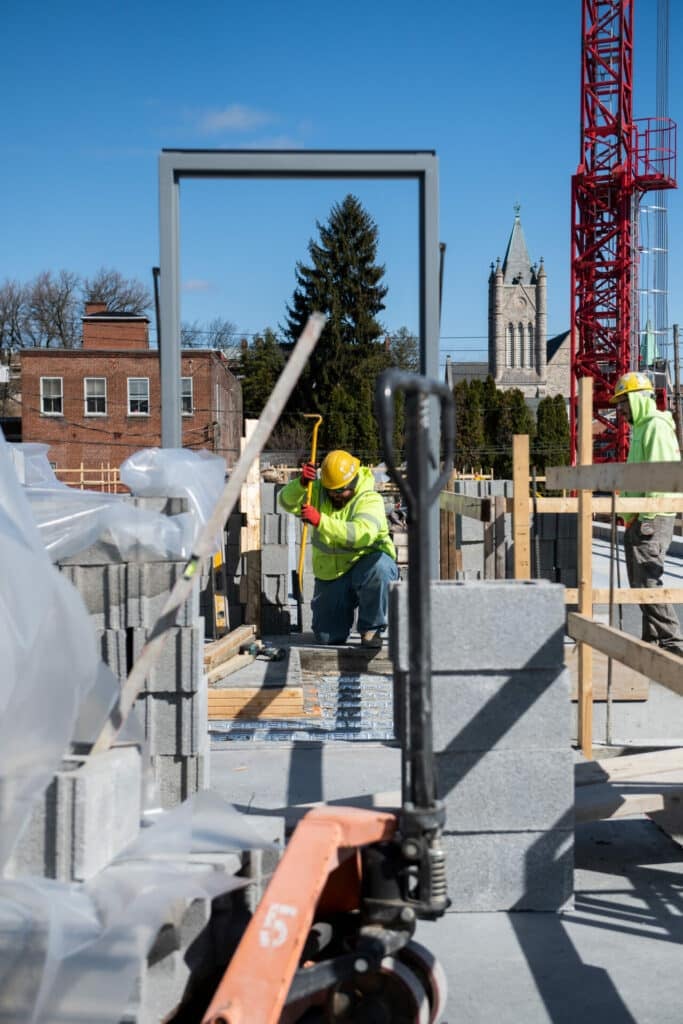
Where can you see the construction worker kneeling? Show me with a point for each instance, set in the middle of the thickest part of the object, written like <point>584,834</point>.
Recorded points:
<point>354,559</point>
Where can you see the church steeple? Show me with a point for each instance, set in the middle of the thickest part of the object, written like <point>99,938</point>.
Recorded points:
<point>517,265</point>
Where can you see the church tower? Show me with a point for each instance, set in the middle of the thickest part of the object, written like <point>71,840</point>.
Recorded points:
<point>518,319</point>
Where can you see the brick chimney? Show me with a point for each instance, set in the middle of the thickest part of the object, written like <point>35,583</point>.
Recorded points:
<point>111,331</point>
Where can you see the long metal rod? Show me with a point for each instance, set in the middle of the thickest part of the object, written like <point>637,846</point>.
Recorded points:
<point>205,544</point>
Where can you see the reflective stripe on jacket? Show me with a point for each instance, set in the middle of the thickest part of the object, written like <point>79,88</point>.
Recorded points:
<point>344,534</point>
<point>653,439</point>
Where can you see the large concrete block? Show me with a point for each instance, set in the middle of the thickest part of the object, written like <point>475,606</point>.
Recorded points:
<point>528,709</point>
<point>148,585</point>
<point>89,813</point>
<point>490,625</point>
<point>180,663</point>
<point>502,871</point>
<point>113,650</point>
<point>507,790</point>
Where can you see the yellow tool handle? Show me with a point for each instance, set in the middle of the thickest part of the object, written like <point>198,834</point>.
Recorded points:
<point>309,495</point>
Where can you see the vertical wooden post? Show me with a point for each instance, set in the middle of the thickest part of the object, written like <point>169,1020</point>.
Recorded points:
<point>585,537</point>
<point>520,506</point>
<point>250,534</point>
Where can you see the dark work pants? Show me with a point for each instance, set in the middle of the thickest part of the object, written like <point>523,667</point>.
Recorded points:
<point>366,587</point>
<point>646,542</point>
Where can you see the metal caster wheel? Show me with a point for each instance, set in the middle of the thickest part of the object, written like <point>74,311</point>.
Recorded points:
<point>392,995</point>
<point>432,976</point>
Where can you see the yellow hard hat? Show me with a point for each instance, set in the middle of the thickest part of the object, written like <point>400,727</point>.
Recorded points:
<point>338,470</point>
<point>631,382</point>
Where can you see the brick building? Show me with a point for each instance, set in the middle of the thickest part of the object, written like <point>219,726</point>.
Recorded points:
<point>98,404</point>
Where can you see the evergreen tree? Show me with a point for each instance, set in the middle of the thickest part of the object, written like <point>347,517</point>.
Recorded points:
<point>260,366</point>
<point>344,282</point>
<point>469,424</point>
<point>551,447</point>
<point>514,417</point>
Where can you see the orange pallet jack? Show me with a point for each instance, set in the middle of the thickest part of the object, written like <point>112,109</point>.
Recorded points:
<point>331,939</point>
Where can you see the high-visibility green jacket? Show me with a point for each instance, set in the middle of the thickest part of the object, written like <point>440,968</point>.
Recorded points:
<point>344,534</point>
<point>653,439</point>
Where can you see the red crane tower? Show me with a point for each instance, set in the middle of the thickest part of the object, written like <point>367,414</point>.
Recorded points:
<point>621,159</point>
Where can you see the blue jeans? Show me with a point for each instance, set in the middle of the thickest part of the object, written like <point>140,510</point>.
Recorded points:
<point>366,587</point>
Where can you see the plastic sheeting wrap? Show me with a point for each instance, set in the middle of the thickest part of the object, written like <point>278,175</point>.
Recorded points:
<point>70,520</point>
<point>48,657</point>
<point>71,953</point>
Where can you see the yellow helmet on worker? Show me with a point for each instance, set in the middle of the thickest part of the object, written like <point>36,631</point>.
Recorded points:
<point>339,469</point>
<point>629,383</point>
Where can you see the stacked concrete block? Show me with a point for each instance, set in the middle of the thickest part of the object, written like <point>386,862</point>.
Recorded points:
<point>124,600</point>
<point>554,536</point>
<point>502,729</point>
<point>89,813</point>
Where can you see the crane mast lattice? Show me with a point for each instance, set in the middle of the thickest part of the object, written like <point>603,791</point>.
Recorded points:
<point>620,160</point>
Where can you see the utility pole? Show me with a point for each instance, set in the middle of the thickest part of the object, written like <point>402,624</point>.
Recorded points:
<point>677,391</point>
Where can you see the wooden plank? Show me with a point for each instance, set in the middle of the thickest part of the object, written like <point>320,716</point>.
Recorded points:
<point>466,505</point>
<point>251,703</point>
<point>227,668</point>
<point>219,651</point>
<point>646,795</point>
<point>617,476</point>
<point>520,507</point>
<point>603,506</point>
<point>626,595</point>
<point>585,568</point>
<point>663,667</point>
<point>627,684</point>
<point>628,766</point>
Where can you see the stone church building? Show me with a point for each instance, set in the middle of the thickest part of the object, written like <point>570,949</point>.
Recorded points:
<point>520,354</point>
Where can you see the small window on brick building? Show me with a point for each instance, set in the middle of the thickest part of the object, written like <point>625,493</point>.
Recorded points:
<point>95,390</point>
<point>138,396</point>
<point>51,396</point>
<point>186,396</point>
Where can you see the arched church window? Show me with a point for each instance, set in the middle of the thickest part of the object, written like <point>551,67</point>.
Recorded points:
<point>530,345</point>
<point>510,346</point>
<point>520,344</point>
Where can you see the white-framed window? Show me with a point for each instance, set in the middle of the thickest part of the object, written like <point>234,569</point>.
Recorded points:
<point>186,397</point>
<point>51,396</point>
<point>138,396</point>
<point>95,396</point>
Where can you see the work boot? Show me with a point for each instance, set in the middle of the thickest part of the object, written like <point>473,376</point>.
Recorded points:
<point>371,639</point>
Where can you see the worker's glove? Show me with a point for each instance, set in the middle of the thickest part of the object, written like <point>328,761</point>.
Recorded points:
<point>310,514</point>
<point>308,473</point>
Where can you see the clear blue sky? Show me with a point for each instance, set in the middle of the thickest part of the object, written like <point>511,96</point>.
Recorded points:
<point>92,92</point>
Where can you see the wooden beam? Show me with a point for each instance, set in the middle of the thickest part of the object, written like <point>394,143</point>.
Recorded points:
<point>253,703</point>
<point>653,662</point>
<point>226,646</point>
<point>617,476</point>
<point>628,766</point>
<point>604,505</point>
<point>624,595</point>
<point>585,567</point>
<point>466,505</point>
<point>520,507</point>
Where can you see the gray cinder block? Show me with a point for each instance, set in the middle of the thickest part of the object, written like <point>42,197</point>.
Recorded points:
<point>112,643</point>
<point>89,813</point>
<point>528,709</point>
<point>174,723</point>
<point>180,664</point>
<point>507,790</point>
<point>148,585</point>
<point>178,776</point>
<point>489,625</point>
<point>103,590</point>
<point>501,871</point>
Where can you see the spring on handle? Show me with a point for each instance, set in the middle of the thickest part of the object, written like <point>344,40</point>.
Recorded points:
<point>437,859</point>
